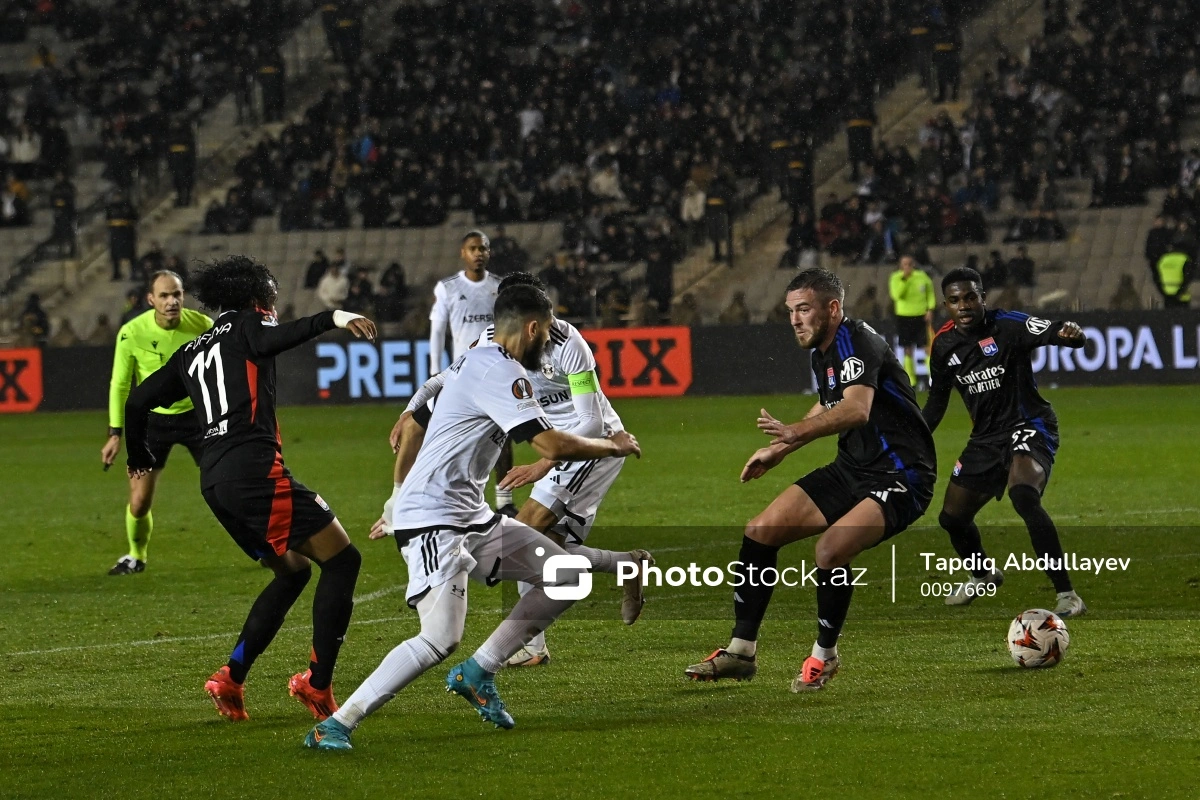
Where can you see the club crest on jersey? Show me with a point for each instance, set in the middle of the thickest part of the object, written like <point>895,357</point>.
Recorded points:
<point>522,389</point>
<point>829,376</point>
<point>957,468</point>
<point>548,370</point>
<point>989,346</point>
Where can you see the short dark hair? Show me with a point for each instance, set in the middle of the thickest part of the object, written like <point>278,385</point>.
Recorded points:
<point>520,303</point>
<point>477,234</point>
<point>521,279</point>
<point>234,283</point>
<point>821,281</point>
<point>960,274</point>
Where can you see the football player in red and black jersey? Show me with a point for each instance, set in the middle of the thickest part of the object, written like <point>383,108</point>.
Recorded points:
<point>229,373</point>
<point>985,355</point>
<point>880,483</point>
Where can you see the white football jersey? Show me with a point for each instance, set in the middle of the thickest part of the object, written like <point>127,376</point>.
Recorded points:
<point>466,306</point>
<point>567,353</point>
<point>487,396</point>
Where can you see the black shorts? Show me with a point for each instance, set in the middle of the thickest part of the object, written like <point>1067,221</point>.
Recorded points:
<point>163,431</point>
<point>911,331</point>
<point>268,516</point>
<point>903,496</point>
<point>984,464</point>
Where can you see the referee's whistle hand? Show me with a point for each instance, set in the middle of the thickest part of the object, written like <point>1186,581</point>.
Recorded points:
<point>108,453</point>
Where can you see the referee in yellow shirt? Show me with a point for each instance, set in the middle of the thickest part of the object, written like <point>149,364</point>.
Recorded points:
<point>143,345</point>
<point>913,299</point>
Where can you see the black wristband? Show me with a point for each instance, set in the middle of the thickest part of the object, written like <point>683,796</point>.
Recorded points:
<point>114,431</point>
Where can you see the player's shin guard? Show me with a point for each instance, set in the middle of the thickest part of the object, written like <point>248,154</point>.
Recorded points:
<point>753,595</point>
<point>1042,534</point>
<point>835,587</point>
<point>137,531</point>
<point>265,619</point>
<point>964,536</point>
<point>332,606</point>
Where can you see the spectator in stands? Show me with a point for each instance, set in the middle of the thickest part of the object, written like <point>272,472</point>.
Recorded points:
<point>718,209</point>
<point>181,160</point>
<point>151,262</point>
<point>507,254</point>
<point>393,292</point>
<point>376,207</point>
<point>333,287</point>
<point>25,150</point>
<point>14,212</point>
<point>867,305</point>
<point>361,297</point>
<point>65,336</point>
<point>996,273</point>
<point>1125,296</point>
<point>35,319</point>
<point>1158,241</point>
<point>102,334</point>
<point>736,313</point>
<point>122,220</point>
<point>691,212</point>
<point>62,203</point>
<point>316,269</point>
<point>686,313</point>
<point>971,226</point>
<point>1020,268</point>
<point>135,304</point>
<point>214,219</point>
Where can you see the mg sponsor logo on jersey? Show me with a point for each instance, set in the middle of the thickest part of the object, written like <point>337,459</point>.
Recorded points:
<point>988,346</point>
<point>852,369</point>
<point>642,362</point>
<point>20,380</point>
<point>830,379</point>
<point>1037,325</point>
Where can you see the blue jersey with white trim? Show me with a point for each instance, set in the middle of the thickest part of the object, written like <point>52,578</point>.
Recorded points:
<point>991,368</point>
<point>895,437</point>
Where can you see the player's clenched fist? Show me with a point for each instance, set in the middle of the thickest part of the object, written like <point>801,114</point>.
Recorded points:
<point>626,443</point>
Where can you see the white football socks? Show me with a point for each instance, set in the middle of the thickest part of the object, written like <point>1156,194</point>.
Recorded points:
<point>742,647</point>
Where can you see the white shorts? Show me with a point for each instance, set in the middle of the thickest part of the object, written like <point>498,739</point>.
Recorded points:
<point>437,556</point>
<point>573,491</point>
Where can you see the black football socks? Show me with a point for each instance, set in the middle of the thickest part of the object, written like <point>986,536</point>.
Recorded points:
<point>265,619</point>
<point>332,607</point>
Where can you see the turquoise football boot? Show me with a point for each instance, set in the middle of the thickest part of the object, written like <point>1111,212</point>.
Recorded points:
<point>478,688</point>
<point>328,734</point>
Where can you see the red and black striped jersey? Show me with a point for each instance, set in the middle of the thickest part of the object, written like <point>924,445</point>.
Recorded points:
<point>229,373</point>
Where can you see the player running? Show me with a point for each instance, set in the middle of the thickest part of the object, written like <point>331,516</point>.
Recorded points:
<point>447,533</point>
<point>464,303</point>
<point>985,355</point>
<point>566,497</point>
<point>143,345</point>
<point>879,484</point>
<point>229,373</point>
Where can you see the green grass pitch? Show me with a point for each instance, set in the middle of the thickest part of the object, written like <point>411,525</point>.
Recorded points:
<point>101,678</point>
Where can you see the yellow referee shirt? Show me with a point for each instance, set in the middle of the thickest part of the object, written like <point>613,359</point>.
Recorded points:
<point>143,347</point>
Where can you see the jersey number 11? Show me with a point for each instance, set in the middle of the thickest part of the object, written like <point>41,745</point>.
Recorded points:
<point>199,364</point>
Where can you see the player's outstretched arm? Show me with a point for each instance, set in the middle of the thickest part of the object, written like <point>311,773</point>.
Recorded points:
<point>164,387</point>
<point>1071,335</point>
<point>556,445</point>
<point>852,412</point>
<point>269,340</point>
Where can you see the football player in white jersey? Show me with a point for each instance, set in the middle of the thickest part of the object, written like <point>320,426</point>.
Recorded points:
<point>567,496</point>
<point>447,533</point>
<point>463,302</point>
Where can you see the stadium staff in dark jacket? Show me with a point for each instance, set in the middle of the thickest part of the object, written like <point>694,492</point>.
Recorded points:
<point>181,160</point>
<point>122,219</point>
<point>860,132</point>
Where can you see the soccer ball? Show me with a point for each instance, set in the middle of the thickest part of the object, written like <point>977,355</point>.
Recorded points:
<point>1037,638</point>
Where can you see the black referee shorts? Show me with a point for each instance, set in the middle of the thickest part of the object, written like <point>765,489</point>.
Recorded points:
<point>903,496</point>
<point>911,331</point>
<point>164,431</point>
<point>268,516</point>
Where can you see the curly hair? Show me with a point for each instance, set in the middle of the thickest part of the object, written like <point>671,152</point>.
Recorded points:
<point>234,283</point>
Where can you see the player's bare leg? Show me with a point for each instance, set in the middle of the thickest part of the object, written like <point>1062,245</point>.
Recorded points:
<point>504,498</point>
<point>958,520</point>
<point>1026,482</point>
<point>860,529</point>
<point>790,517</point>
<point>139,523</point>
<point>333,604</point>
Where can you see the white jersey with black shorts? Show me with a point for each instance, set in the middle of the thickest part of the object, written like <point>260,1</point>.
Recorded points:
<point>568,391</point>
<point>440,519</point>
